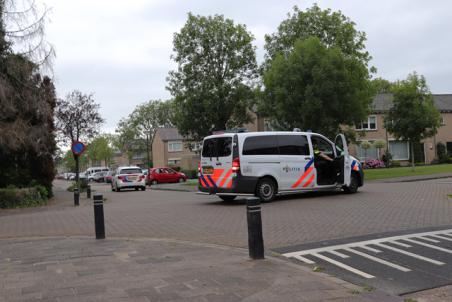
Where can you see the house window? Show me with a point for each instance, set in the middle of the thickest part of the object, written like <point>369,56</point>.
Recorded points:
<point>442,121</point>
<point>196,146</point>
<point>365,155</point>
<point>173,161</point>
<point>369,124</point>
<point>139,155</point>
<point>174,146</point>
<point>449,148</point>
<point>400,150</point>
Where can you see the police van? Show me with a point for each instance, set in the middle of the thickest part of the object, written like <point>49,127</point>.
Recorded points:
<point>266,164</point>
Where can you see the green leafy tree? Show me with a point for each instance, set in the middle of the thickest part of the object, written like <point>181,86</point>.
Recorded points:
<point>216,69</point>
<point>69,161</point>
<point>124,138</point>
<point>380,85</point>
<point>100,148</point>
<point>316,87</point>
<point>413,116</point>
<point>332,28</point>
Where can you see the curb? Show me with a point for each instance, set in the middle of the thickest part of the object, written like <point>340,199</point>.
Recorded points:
<point>403,179</point>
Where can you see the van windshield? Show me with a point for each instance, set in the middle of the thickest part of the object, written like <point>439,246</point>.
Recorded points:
<point>217,147</point>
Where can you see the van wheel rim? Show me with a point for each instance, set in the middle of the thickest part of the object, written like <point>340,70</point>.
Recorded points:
<point>266,190</point>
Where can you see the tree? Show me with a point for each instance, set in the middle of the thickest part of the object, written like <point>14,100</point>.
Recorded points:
<point>100,149</point>
<point>27,102</point>
<point>333,29</point>
<point>379,144</point>
<point>380,85</point>
<point>124,138</point>
<point>78,119</point>
<point>413,115</point>
<point>316,87</point>
<point>22,24</point>
<point>213,84</point>
<point>365,145</point>
<point>144,121</point>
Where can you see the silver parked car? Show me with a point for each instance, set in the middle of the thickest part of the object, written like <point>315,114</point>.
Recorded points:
<point>128,178</point>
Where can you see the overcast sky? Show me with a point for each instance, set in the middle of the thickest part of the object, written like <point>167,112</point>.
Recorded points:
<point>120,50</point>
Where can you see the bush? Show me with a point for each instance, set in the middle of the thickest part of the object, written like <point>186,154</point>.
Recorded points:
<point>12,197</point>
<point>192,174</point>
<point>83,185</point>
<point>387,159</point>
<point>373,164</point>
<point>395,164</point>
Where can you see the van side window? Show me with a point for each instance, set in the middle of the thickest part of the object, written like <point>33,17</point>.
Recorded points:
<point>293,145</point>
<point>323,145</point>
<point>261,145</point>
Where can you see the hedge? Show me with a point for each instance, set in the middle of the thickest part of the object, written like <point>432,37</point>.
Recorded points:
<point>12,197</point>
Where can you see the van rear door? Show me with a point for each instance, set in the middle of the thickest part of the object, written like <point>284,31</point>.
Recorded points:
<point>216,162</point>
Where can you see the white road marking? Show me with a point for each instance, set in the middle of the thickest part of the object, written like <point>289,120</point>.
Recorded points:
<point>429,239</point>
<point>339,254</point>
<point>305,260</point>
<point>344,266</point>
<point>399,243</point>
<point>442,237</point>
<point>430,246</point>
<point>364,244</point>
<point>370,249</point>
<point>390,264</point>
<point>411,254</point>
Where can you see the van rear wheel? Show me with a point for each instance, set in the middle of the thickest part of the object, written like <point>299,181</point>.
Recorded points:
<point>266,190</point>
<point>227,198</point>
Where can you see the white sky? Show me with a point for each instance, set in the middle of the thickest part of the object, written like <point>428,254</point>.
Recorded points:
<point>120,50</point>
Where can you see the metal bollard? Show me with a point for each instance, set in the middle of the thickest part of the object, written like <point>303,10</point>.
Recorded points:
<point>255,238</point>
<point>88,191</point>
<point>76,197</point>
<point>99,216</point>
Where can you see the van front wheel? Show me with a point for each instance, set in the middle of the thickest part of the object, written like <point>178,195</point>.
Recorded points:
<point>353,187</point>
<point>266,190</point>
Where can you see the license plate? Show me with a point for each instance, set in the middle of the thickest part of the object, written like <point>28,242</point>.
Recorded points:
<point>132,178</point>
<point>207,170</point>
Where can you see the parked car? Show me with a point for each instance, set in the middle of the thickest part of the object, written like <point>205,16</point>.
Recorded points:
<point>108,177</point>
<point>98,177</point>
<point>165,175</point>
<point>128,178</point>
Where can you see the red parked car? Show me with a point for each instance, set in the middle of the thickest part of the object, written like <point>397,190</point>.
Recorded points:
<point>165,175</point>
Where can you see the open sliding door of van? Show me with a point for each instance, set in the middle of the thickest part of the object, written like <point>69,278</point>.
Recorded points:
<point>216,163</point>
<point>343,157</point>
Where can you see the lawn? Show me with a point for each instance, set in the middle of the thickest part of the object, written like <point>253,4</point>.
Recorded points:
<point>370,174</point>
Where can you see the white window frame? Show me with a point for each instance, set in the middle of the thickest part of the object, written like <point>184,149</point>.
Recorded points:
<point>361,128</point>
<point>407,148</point>
<point>171,146</point>
<point>370,141</point>
<point>442,122</point>
<point>176,161</point>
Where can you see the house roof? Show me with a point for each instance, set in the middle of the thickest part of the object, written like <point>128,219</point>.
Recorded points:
<point>383,102</point>
<point>169,134</point>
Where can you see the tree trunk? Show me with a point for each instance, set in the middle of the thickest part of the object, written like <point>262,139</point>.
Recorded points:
<point>412,155</point>
<point>147,152</point>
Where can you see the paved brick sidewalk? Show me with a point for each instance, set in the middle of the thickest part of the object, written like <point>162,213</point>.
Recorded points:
<point>83,269</point>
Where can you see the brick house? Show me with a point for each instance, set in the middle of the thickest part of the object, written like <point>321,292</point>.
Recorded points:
<point>373,129</point>
<point>169,148</point>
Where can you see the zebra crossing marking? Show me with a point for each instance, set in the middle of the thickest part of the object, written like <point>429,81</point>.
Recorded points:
<point>377,246</point>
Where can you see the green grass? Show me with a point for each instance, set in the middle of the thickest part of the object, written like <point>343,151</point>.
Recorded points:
<point>370,174</point>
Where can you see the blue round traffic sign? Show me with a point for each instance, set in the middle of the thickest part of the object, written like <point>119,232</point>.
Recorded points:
<point>78,147</point>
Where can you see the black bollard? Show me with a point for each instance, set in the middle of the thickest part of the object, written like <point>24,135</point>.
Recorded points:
<point>88,191</point>
<point>76,197</point>
<point>99,216</point>
<point>255,238</point>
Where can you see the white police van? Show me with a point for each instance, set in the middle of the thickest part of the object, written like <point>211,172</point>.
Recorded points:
<point>266,164</point>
